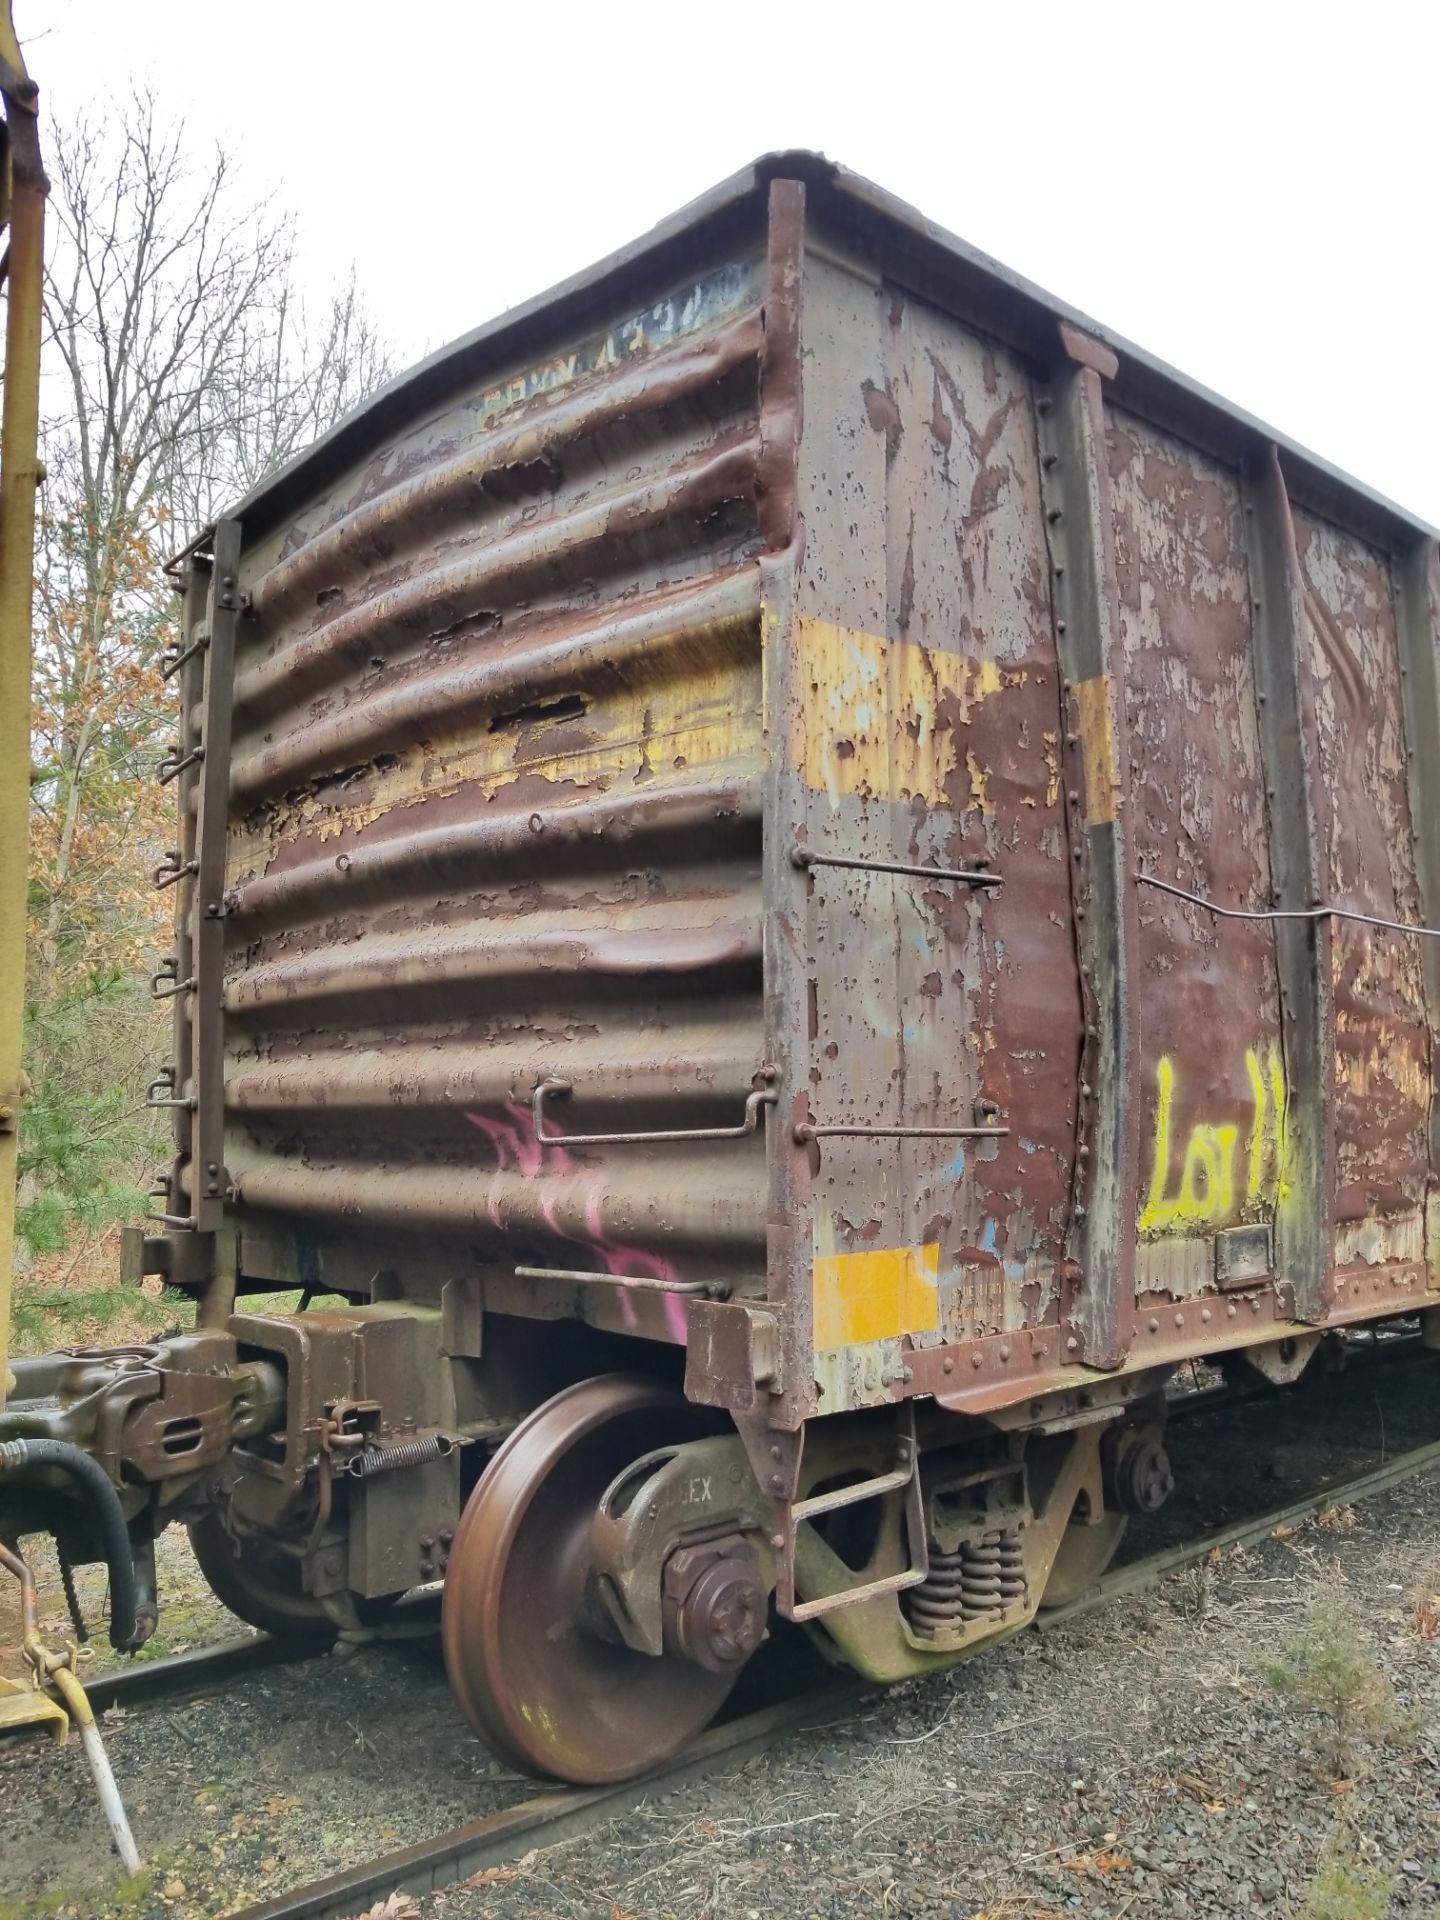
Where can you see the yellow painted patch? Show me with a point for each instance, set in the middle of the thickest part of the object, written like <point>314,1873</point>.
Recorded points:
<point>1052,768</point>
<point>859,1297</point>
<point>702,713</point>
<point>1093,699</point>
<point>885,717</point>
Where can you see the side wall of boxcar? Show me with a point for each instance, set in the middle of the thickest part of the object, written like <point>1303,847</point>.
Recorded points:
<point>929,730</point>
<point>1037,630</point>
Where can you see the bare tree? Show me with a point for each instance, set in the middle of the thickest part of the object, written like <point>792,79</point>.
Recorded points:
<point>302,370</point>
<point>181,367</point>
<point>154,275</point>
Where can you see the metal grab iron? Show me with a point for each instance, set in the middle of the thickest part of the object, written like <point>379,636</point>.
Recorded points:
<point>175,763</point>
<point>976,876</point>
<point>647,1283</point>
<point>1322,910</point>
<point>759,1097</point>
<point>807,1130</point>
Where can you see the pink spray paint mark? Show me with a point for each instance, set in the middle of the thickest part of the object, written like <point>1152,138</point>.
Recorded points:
<point>518,1151</point>
<point>676,1317</point>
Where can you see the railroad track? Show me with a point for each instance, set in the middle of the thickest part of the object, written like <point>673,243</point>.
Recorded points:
<point>206,1669</point>
<point>560,1813</point>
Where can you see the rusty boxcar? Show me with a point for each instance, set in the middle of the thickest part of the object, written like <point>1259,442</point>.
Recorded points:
<point>798,873</point>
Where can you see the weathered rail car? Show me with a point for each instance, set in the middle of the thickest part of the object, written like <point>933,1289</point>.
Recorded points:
<point>798,873</point>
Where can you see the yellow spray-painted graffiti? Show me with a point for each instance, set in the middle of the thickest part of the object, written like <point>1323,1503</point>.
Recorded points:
<point>1206,1190</point>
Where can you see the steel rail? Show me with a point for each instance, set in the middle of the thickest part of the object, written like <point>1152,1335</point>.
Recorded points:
<point>175,1675</point>
<point>1139,1575</point>
<point>563,1813</point>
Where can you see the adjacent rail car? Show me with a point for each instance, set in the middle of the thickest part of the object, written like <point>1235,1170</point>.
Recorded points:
<point>798,873</point>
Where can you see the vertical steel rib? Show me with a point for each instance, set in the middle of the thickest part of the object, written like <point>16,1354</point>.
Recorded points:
<point>207,1168</point>
<point>1086,602</point>
<point>1304,1210</point>
<point>190,696</point>
<point>1417,604</point>
<point>786,1042</point>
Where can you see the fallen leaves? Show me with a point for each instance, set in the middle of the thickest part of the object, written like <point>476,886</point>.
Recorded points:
<point>1336,1519</point>
<point>502,1876</point>
<point>398,1907</point>
<point>1209,1797</point>
<point>1101,1862</point>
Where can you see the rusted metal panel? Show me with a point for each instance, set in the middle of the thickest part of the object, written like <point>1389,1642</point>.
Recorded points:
<point>901,242</point>
<point>1209,1072</point>
<point>790,1383</point>
<point>931,747</point>
<point>853,1066</point>
<point>1290,744</point>
<point>987,986</point>
<point>495,795</point>
<point>1418,604</point>
<point>1382,1097</point>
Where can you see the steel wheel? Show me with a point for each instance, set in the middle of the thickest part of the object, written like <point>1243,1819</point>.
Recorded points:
<point>1085,1553</point>
<point>529,1660</point>
<point>262,1586</point>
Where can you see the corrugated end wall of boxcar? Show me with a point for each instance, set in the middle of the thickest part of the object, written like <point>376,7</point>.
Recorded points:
<point>1273,1159</point>
<point>496,821</point>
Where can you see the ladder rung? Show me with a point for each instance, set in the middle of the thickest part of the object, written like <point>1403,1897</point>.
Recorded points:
<point>851,1496</point>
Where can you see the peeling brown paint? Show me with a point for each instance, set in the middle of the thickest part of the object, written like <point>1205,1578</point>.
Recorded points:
<point>1383,1068</point>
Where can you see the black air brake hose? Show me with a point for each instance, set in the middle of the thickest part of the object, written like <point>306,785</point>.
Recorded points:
<point>95,1486</point>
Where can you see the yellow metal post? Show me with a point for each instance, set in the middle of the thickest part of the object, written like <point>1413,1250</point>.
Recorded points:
<point>19,477</point>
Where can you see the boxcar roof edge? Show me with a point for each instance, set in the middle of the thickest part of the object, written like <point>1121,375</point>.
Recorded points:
<point>909,250</point>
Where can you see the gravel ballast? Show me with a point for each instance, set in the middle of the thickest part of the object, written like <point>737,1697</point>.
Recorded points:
<point>1137,1761</point>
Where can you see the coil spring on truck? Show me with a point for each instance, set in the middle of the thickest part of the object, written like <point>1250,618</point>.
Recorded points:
<point>981,1579</point>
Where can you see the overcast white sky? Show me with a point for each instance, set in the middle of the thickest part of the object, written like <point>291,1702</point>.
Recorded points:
<point>1249,191</point>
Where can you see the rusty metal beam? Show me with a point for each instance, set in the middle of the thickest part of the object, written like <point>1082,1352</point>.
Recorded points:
<point>1417,604</point>
<point>1086,603</point>
<point>1304,1226</point>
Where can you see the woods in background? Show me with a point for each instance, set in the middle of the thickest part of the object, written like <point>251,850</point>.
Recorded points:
<point>181,366</point>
